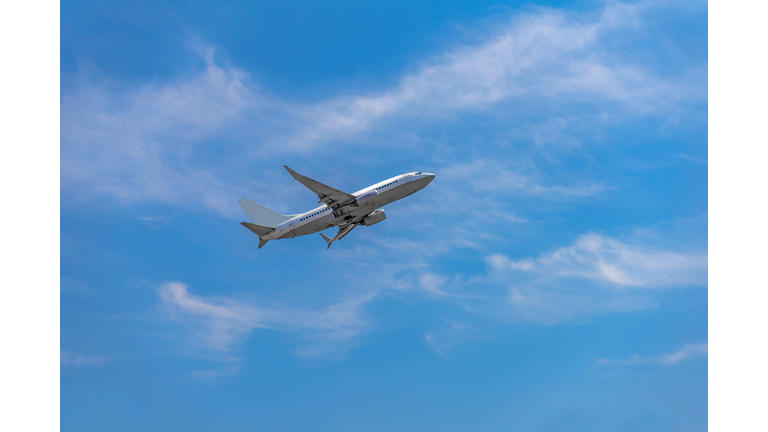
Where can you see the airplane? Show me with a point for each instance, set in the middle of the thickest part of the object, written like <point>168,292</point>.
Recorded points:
<point>339,209</point>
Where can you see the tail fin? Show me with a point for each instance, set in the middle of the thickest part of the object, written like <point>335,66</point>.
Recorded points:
<point>262,215</point>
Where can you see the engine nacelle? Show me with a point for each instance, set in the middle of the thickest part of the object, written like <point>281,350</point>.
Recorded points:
<point>368,199</point>
<point>374,218</point>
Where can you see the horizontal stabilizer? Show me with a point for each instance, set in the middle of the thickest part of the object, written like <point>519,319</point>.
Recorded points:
<point>340,234</point>
<point>260,230</point>
<point>328,239</point>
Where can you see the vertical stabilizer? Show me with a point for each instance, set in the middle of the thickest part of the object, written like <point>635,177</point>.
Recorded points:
<point>261,215</point>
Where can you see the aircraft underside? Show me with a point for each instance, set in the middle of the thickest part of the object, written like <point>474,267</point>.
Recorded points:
<point>342,210</point>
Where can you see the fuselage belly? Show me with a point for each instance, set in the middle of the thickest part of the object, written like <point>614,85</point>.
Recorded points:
<point>322,217</point>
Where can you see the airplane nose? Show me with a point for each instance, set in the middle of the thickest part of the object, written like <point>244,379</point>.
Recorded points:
<point>429,178</point>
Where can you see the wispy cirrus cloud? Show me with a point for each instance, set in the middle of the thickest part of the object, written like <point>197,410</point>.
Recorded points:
<point>463,207</point>
<point>686,352</point>
<point>540,76</point>
<point>221,324</point>
<point>67,358</point>
<point>486,176</point>
<point>608,260</point>
<point>546,55</point>
<point>153,142</point>
<point>598,273</point>
<point>154,218</point>
<point>567,284</point>
<point>133,145</point>
<point>447,335</point>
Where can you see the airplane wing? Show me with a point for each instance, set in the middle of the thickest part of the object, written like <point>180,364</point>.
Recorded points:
<point>343,231</point>
<point>334,198</point>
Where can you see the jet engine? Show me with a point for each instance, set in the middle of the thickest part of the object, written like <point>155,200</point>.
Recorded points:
<point>368,199</point>
<point>374,218</point>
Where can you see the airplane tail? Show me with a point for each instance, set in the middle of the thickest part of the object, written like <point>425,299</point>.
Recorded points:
<point>264,219</point>
<point>259,230</point>
<point>262,215</point>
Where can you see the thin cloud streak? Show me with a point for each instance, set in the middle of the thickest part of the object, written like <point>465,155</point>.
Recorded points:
<point>486,176</point>
<point>450,334</point>
<point>140,144</point>
<point>152,143</point>
<point>222,324</point>
<point>595,275</point>
<point>687,352</point>
<point>70,359</point>
<point>547,55</point>
<point>567,284</point>
<point>604,259</point>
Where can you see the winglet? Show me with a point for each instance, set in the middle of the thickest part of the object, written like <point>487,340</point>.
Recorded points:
<point>293,173</point>
<point>328,239</point>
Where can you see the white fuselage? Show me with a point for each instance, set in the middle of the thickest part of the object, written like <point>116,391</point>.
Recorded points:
<point>322,217</point>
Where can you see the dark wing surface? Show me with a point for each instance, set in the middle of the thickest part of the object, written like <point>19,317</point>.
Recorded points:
<point>333,198</point>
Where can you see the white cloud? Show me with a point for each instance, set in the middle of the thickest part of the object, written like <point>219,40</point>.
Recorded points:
<point>139,144</point>
<point>448,335</point>
<point>484,176</point>
<point>156,142</point>
<point>565,285</point>
<point>688,351</point>
<point>465,207</point>
<point>597,274</point>
<point>431,282</point>
<point>154,221</point>
<point>604,259</point>
<point>153,142</point>
<point>692,159</point>
<point>154,218</point>
<point>543,56</point>
<point>74,359</point>
<point>539,303</point>
<point>221,324</point>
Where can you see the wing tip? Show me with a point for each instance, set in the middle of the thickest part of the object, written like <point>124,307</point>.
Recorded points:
<point>293,173</point>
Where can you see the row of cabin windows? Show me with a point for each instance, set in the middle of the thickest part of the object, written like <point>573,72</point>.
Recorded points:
<point>315,214</point>
<point>383,186</point>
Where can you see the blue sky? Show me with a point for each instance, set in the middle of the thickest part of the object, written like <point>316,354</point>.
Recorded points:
<point>552,277</point>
